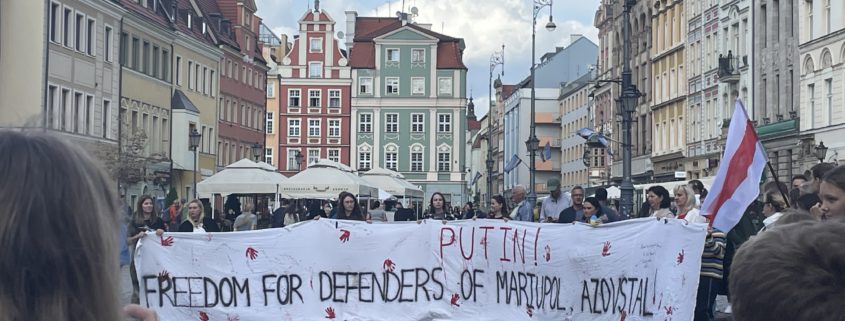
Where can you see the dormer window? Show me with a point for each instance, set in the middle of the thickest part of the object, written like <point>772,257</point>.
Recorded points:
<point>204,30</point>
<point>190,20</point>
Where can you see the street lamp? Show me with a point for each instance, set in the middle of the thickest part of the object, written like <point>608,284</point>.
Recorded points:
<point>256,151</point>
<point>299,158</point>
<point>628,99</point>
<point>497,58</point>
<point>533,143</point>
<point>194,140</point>
<point>821,152</point>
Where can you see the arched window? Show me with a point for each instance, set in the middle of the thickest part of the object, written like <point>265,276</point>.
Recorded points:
<point>809,67</point>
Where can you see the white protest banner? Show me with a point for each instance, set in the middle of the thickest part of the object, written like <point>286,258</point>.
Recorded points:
<point>644,269</point>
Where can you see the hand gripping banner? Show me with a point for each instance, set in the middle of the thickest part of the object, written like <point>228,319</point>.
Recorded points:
<point>644,269</point>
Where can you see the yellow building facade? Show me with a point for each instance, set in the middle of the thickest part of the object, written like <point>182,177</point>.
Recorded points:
<point>669,83</point>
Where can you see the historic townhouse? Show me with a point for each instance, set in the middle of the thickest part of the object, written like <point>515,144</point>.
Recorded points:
<point>670,88</point>
<point>314,94</point>
<point>62,72</point>
<point>408,102</point>
<point>576,159</point>
<point>274,48</point>
<point>822,50</point>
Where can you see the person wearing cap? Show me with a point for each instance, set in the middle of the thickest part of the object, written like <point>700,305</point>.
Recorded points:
<point>555,203</point>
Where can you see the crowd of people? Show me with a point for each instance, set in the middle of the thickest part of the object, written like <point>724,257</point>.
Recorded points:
<point>785,260</point>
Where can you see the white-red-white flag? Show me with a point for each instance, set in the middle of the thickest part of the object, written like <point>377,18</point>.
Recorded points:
<point>737,182</point>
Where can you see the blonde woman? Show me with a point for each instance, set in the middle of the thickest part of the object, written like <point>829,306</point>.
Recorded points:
<point>685,202</point>
<point>196,221</point>
<point>58,233</point>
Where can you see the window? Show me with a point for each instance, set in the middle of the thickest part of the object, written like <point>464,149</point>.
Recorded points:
<point>292,165</point>
<point>313,156</point>
<point>271,91</point>
<point>107,43</point>
<point>417,123</point>
<point>809,24</point>
<point>443,161</point>
<point>52,91</point>
<point>365,123</point>
<point>145,64</point>
<point>392,55</point>
<point>417,56</point>
<point>334,155</point>
<point>391,123</point>
<point>364,160</point>
<point>203,85</point>
<point>268,127</point>
<point>316,45</point>
<point>78,31</point>
<point>179,70</point>
<point>293,97</point>
<point>75,113</point>
<point>416,161</point>
<point>87,118</point>
<point>106,115</point>
<point>55,12</point>
<point>313,128</point>
<point>124,48</point>
<point>334,127</point>
<point>827,16</point>
<point>828,85</point>
<point>444,123</point>
<point>268,156</point>
<point>314,97</point>
<point>165,65</point>
<point>365,85</point>
<point>67,30</point>
<point>391,161</point>
<point>444,86</point>
<point>391,85</point>
<point>156,63</point>
<point>417,86</point>
<point>334,98</point>
<point>293,127</point>
<point>89,37</point>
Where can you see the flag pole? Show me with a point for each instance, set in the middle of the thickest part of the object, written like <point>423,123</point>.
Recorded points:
<point>777,183</point>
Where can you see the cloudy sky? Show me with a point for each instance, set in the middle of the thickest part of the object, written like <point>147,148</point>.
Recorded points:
<point>484,24</point>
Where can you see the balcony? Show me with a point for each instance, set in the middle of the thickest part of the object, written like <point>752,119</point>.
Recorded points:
<point>728,69</point>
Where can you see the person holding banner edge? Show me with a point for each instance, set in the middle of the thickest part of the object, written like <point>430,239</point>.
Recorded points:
<point>197,222</point>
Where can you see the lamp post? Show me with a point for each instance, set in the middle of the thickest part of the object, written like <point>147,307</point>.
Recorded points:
<point>533,143</point>
<point>821,152</point>
<point>256,151</point>
<point>497,58</point>
<point>194,140</point>
<point>628,99</point>
<point>299,158</point>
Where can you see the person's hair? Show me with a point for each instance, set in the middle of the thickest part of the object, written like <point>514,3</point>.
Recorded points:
<point>793,216</point>
<point>356,210</point>
<point>601,194</point>
<point>595,202</point>
<point>58,232</point>
<point>836,177</point>
<point>577,187</point>
<point>774,187</point>
<point>799,176</point>
<point>138,215</point>
<point>399,205</point>
<point>820,170</point>
<point>518,187</point>
<point>469,204</point>
<point>698,188</point>
<point>787,264</point>
<point>501,200</point>
<point>375,205</point>
<point>431,203</point>
<point>661,191</point>
<point>807,201</point>
<point>794,196</point>
<point>776,200</point>
<point>202,212</point>
<point>690,204</point>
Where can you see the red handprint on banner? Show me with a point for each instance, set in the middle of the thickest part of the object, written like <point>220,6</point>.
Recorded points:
<point>163,275</point>
<point>454,300</point>
<point>166,241</point>
<point>605,250</point>
<point>330,313</point>
<point>344,235</point>
<point>624,315</point>
<point>203,316</point>
<point>233,317</point>
<point>251,253</point>
<point>548,254</point>
<point>389,265</point>
<point>680,258</point>
<point>530,311</point>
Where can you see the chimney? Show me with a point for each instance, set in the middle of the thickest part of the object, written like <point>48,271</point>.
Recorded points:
<point>351,18</point>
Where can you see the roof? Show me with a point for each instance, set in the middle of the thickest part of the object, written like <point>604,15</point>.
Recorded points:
<point>180,101</point>
<point>473,125</point>
<point>210,9</point>
<point>449,49</point>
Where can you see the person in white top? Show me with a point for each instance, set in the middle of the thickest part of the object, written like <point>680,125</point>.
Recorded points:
<point>247,220</point>
<point>773,205</point>
<point>685,202</point>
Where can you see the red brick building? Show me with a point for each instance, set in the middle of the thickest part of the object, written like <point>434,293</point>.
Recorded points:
<point>314,115</point>
<point>243,74</point>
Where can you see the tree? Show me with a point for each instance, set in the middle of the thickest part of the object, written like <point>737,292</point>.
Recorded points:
<point>128,163</point>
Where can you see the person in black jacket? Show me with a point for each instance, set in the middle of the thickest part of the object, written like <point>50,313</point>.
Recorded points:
<point>197,222</point>
<point>404,214</point>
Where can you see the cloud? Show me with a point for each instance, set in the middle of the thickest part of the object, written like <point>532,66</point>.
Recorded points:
<point>484,26</point>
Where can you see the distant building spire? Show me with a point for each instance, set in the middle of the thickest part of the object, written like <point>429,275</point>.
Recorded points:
<point>471,110</point>
<point>317,5</point>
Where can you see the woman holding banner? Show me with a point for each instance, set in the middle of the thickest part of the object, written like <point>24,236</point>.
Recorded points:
<point>197,222</point>
<point>659,202</point>
<point>498,208</point>
<point>593,212</point>
<point>685,201</point>
<point>349,208</point>
<point>438,209</point>
<point>143,220</point>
